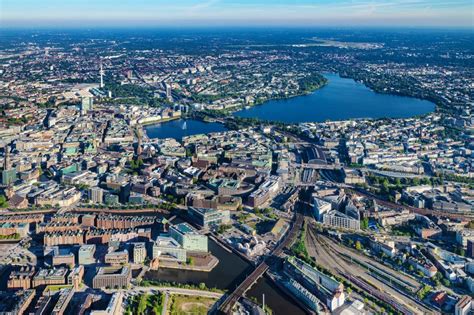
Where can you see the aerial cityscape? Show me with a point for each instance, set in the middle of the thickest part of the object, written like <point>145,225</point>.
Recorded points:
<point>236,157</point>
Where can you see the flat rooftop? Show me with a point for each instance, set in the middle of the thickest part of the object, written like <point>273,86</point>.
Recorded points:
<point>165,241</point>
<point>108,271</point>
<point>184,228</point>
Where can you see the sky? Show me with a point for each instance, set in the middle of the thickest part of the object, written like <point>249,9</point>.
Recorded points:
<point>134,13</point>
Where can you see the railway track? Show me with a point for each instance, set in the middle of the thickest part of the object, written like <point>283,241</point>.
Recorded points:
<point>343,266</point>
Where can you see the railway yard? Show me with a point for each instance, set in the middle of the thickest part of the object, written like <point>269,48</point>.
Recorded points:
<point>386,284</point>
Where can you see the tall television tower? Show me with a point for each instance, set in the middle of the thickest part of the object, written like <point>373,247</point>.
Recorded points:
<point>101,72</point>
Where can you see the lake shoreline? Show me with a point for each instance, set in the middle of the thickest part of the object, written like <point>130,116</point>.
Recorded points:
<point>340,99</point>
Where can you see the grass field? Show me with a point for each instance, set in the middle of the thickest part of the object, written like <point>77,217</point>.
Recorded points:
<point>186,305</point>
<point>145,304</point>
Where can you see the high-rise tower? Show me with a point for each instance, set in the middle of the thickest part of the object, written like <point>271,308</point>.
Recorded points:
<point>6,162</point>
<point>8,172</point>
<point>101,72</point>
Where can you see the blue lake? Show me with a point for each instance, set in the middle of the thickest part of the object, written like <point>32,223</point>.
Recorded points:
<point>177,129</point>
<point>340,99</point>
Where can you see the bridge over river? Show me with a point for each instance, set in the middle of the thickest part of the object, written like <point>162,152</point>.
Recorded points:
<point>226,306</point>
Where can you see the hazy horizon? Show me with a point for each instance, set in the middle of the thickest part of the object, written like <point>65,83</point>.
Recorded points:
<point>240,13</point>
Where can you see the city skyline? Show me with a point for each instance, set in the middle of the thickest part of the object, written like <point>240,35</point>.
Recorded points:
<point>399,13</point>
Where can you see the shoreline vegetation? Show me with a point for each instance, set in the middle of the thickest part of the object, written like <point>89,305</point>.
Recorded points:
<point>308,85</point>
<point>156,283</point>
<point>317,82</point>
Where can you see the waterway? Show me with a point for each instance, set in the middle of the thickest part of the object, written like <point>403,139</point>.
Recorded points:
<point>230,271</point>
<point>340,99</point>
<point>180,128</point>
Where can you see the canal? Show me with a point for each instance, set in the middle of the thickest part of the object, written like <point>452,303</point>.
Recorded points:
<point>230,271</point>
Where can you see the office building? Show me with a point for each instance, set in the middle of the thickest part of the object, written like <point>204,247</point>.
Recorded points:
<point>86,104</point>
<point>74,277</point>
<point>65,296</point>
<point>188,237</point>
<point>9,172</point>
<point>167,248</point>
<point>96,195</point>
<point>21,279</point>
<point>464,306</point>
<point>470,249</point>
<point>112,277</point>
<point>324,287</point>
<point>341,220</point>
<point>117,258</point>
<point>86,254</point>
<point>139,253</point>
<point>50,276</point>
<point>62,256</point>
<point>320,207</point>
<point>207,218</point>
<point>114,307</point>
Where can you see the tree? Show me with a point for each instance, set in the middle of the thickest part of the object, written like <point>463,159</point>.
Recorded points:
<point>3,201</point>
<point>385,187</point>
<point>141,308</point>
<point>358,245</point>
<point>421,294</point>
<point>202,286</point>
<point>446,282</point>
<point>438,276</point>
<point>364,224</point>
<point>460,251</point>
<point>398,183</point>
